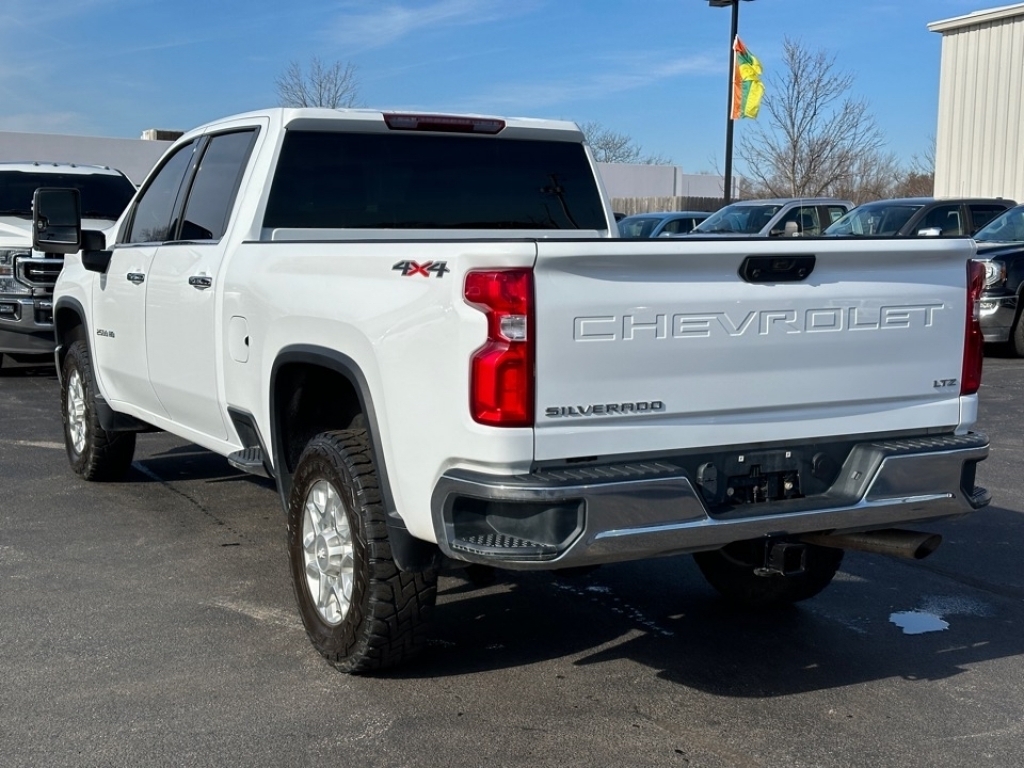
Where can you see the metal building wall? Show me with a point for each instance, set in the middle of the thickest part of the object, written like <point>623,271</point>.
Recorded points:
<point>978,144</point>
<point>133,157</point>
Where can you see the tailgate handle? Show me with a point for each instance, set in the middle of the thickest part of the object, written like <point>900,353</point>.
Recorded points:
<point>776,269</point>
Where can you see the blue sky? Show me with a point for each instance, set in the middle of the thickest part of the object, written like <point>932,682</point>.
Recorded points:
<point>655,70</point>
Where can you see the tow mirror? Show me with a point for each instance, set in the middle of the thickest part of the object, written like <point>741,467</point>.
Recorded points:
<point>56,220</point>
<point>95,257</point>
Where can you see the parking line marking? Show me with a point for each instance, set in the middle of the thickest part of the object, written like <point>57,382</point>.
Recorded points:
<point>36,444</point>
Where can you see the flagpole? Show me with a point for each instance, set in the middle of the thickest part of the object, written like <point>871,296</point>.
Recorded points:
<point>728,107</point>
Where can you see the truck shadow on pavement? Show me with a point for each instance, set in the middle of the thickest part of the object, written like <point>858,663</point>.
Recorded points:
<point>11,370</point>
<point>681,629</point>
<point>662,615</point>
<point>189,462</point>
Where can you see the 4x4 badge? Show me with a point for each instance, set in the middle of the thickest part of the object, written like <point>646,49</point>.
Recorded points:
<point>410,268</point>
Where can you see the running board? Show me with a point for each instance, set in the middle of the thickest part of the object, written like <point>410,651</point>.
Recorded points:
<point>249,460</point>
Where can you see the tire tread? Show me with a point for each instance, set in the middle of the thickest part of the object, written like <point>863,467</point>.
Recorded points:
<point>398,604</point>
<point>107,455</point>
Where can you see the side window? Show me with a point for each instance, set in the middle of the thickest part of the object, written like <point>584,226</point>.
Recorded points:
<point>982,214</point>
<point>945,218</point>
<point>835,213</point>
<point>675,226</point>
<point>151,220</point>
<point>806,219</point>
<point>215,185</point>
<point>810,222</point>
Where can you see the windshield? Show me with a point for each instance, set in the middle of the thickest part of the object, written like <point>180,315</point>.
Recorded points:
<point>738,218</point>
<point>637,226</point>
<point>1007,227</point>
<point>103,196</point>
<point>875,219</point>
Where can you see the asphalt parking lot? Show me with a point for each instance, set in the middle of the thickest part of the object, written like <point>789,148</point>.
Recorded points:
<point>152,622</point>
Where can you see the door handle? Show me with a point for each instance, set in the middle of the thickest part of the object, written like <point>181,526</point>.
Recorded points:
<point>200,282</point>
<point>136,277</point>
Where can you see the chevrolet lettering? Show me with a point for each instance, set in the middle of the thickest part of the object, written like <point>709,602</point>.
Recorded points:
<point>763,322</point>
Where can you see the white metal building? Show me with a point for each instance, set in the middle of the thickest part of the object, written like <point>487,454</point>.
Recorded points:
<point>628,180</point>
<point>979,145</point>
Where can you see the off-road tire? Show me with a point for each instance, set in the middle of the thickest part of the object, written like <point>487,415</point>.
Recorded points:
<point>730,570</point>
<point>338,541</point>
<point>94,453</point>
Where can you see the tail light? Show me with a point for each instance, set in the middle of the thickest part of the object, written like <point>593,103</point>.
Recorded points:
<point>970,377</point>
<point>501,371</point>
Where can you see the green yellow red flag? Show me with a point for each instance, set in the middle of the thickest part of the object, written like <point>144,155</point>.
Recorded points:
<point>747,88</point>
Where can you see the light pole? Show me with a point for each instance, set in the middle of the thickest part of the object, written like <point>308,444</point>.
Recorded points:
<point>735,5</point>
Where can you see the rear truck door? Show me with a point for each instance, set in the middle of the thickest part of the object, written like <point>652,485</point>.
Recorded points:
<point>654,346</point>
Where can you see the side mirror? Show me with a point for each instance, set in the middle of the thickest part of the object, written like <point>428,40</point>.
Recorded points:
<point>56,220</point>
<point>929,232</point>
<point>95,257</point>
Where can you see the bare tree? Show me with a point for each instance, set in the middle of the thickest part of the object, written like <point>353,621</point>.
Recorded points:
<point>323,85</point>
<point>816,139</point>
<point>919,179</point>
<point>610,146</point>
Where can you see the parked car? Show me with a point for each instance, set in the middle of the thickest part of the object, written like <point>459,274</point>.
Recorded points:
<point>663,224</point>
<point>1001,249</point>
<point>27,277</point>
<point>920,217</point>
<point>806,216</point>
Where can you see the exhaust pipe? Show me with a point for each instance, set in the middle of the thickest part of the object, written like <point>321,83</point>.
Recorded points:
<point>896,542</point>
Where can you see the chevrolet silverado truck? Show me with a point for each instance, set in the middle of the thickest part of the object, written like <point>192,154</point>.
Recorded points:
<point>27,277</point>
<point>426,330</point>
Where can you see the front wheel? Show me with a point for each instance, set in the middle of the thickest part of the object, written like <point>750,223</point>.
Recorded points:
<point>360,611</point>
<point>734,569</point>
<point>94,453</point>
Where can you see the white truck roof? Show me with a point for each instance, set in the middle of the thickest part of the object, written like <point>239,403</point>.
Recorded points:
<point>513,127</point>
<point>43,166</point>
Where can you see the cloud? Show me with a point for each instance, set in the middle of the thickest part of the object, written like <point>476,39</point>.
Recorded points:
<point>42,122</point>
<point>620,77</point>
<point>388,23</point>
<point>20,15</point>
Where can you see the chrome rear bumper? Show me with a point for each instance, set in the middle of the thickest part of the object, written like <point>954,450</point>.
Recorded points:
<point>590,515</point>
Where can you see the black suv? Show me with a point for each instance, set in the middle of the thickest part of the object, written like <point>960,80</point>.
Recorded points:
<point>920,217</point>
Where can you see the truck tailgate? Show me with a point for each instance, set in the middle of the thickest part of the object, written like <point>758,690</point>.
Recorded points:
<point>662,345</point>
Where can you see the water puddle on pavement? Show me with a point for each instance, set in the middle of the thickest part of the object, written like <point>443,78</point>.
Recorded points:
<point>918,622</point>
<point>929,618</point>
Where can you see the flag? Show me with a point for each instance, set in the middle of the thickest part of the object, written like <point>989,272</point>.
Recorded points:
<point>747,88</point>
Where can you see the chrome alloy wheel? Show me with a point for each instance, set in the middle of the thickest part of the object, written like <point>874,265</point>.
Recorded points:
<point>328,554</point>
<point>76,412</point>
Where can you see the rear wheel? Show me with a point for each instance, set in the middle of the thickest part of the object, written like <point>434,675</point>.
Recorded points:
<point>94,453</point>
<point>736,572</point>
<point>360,611</point>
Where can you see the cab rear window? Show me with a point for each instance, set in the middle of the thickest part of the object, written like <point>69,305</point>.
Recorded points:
<point>413,181</point>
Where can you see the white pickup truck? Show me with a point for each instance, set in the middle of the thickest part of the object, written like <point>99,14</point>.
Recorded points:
<point>426,330</point>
